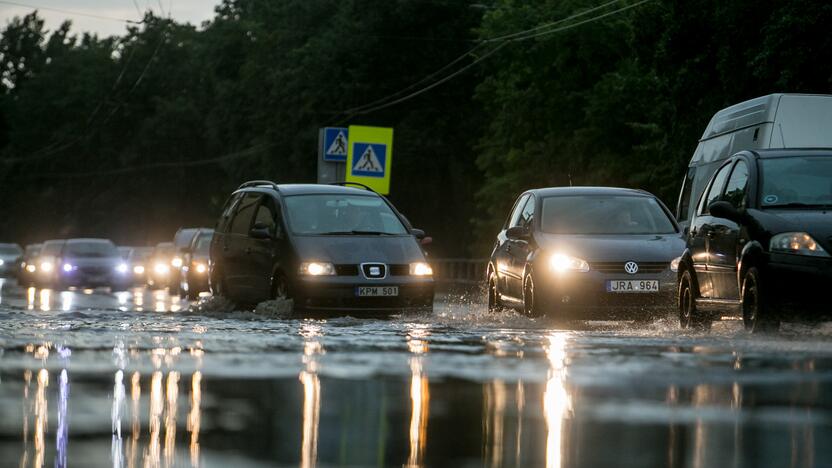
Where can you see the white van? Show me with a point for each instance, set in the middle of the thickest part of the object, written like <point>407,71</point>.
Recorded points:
<point>773,121</point>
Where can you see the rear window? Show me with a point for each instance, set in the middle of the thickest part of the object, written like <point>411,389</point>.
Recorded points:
<point>91,249</point>
<point>601,214</point>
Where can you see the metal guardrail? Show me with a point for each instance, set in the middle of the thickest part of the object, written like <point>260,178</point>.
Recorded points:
<point>459,270</point>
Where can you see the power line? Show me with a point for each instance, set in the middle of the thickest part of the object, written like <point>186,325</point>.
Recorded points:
<point>537,31</point>
<point>72,12</point>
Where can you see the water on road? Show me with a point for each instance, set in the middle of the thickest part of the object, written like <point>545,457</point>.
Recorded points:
<point>142,378</point>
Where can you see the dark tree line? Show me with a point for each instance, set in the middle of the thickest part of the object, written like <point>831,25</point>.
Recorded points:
<point>133,136</point>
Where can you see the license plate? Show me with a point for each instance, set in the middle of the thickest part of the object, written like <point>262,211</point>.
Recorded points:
<point>632,286</point>
<point>377,291</point>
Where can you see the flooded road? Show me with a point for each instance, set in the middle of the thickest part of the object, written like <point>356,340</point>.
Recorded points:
<point>143,379</point>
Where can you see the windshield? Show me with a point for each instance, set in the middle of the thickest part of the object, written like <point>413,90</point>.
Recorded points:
<point>342,214</point>
<point>52,249</point>
<point>10,250</point>
<point>203,244</point>
<point>797,181</point>
<point>90,249</point>
<point>600,214</point>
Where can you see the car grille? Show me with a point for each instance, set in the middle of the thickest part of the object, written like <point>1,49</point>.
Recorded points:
<point>94,270</point>
<point>352,270</point>
<point>618,267</point>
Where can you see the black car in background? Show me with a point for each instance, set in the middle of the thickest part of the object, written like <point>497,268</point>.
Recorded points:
<point>158,268</point>
<point>328,248</point>
<point>195,265</point>
<point>10,257</point>
<point>182,241</point>
<point>93,263</point>
<point>586,253</point>
<point>28,264</point>
<point>139,263</point>
<point>46,263</point>
<point>760,240</point>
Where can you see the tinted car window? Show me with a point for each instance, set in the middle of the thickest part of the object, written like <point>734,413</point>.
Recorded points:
<point>737,184</point>
<point>514,219</point>
<point>225,217</point>
<point>603,214</point>
<point>687,191</point>
<point>90,249</point>
<point>527,215</point>
<point>341,214</point>
<point>52,249</point>
<point>716,188</point>
<point>245,211</point>
<point>202,244</point>
<point>265,215</point>
<point>796,180</point>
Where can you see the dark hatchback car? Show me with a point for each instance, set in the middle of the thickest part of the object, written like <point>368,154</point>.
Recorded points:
<point>586,253</point>
<point>759,241</point>
<point>329,248</point>
<point>93,263</point>
<point>195,265</point>
<point>28,264</point>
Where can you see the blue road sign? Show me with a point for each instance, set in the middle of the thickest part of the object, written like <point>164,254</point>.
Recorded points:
<point>369,159</point>
<point>335,144</point>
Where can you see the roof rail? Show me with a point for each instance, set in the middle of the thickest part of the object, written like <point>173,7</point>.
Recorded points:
<point>258,183</point>
<point>357,184</point>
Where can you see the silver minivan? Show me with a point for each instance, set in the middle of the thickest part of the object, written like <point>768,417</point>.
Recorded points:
<point>773,121</point>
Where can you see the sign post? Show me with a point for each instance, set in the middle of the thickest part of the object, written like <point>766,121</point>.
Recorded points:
<point>370,157</point>
<point>332,154</point>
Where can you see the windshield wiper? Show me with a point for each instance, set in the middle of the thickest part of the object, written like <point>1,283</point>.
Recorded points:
<point>800,205</point>
<point>356,233</point>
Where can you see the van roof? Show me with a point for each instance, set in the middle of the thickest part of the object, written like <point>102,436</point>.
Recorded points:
<point>747,114</point>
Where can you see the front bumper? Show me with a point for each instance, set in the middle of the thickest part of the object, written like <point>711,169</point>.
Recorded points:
<point>83,279</point>
<point>797,285</point>
<point>584,296</point>
<point>338,294</point>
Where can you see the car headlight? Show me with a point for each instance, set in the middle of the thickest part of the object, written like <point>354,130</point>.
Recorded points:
<point>122,268</point>
<point>200,268</point>
<point>47,266</point>
<point>561,263</point>
<point>138,269</point>
<point>31,268</point>
<point>799,243</point>
<point>674,264</point>
<point>176,262</point>
<point>161,269</point>
<point>67,267</point>
<point>2,262</point>
<point>317,269</point>
<point>420,269</point>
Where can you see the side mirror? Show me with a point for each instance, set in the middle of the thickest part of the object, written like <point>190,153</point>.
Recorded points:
<point>725,210</point>
<point>418,233</point>
<point>260,231</point>
<point>518,233</point>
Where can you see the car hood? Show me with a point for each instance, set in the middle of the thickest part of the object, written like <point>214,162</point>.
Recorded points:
<point>615,248</point>
<point>818,223</point>
<point>349,250</point>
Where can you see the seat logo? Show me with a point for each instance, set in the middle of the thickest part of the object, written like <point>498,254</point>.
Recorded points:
<point>374,270</point>
<point>631,267</point>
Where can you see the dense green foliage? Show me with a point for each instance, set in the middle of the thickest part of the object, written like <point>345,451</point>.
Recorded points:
<point>134,136</point>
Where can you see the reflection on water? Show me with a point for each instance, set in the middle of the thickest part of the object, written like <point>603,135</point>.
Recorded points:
<point>312,349</point>
<point>195,416</point>
<point>419,395</point>
<point>41,417</point>
<point>62,436</point>
<point>556,400</point>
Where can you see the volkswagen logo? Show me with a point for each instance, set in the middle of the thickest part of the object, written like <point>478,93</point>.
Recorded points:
<point>631,267</point>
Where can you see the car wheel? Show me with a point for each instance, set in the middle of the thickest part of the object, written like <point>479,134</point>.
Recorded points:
<point>757,316</point>
<point>494,304</point>
<point>280,288</point>
<point>530,305</point>
<point>689,316</point>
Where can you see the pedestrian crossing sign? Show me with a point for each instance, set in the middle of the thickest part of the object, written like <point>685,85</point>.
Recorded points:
<point>369,157</point>
<point>335,144</point>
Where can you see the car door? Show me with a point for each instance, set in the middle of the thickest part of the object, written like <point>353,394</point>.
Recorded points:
<point>519,249</point>
<point>701,231</point>
<point>502,258</point>
<point>236,267</point>
<point>262,253</point>
<point>724,244</point>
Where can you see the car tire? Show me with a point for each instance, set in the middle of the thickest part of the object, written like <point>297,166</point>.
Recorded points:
<point>689,315</point>
<point>757,315</point>
<point>530,303</point>
<point>280,288</point>
<point>494,303</point>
